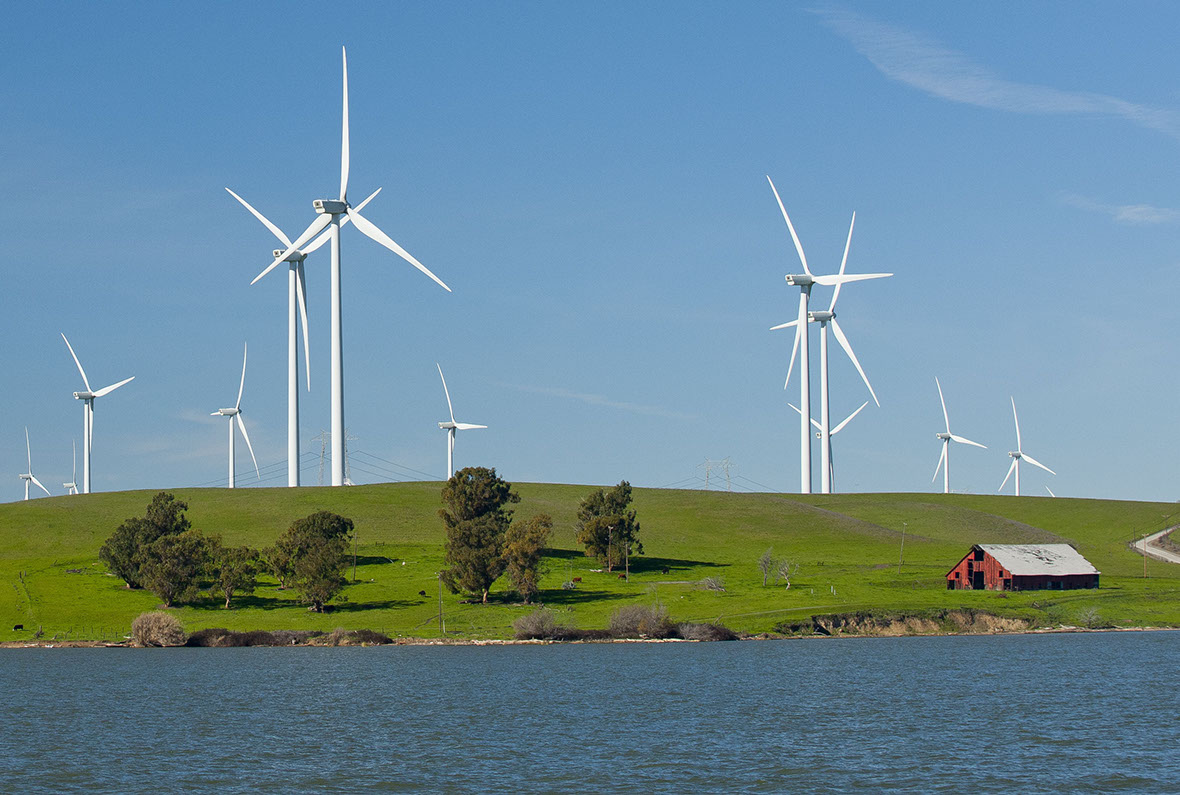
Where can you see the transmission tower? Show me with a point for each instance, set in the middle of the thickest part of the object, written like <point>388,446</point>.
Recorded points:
<point>324,438</point>
<point>723,466</point>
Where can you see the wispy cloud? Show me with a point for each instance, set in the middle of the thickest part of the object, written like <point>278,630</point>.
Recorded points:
<point>923,63</point>
<point>1141,214</point>
<point>602,400</point>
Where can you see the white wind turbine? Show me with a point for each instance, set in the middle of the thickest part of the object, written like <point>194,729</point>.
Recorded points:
<point>236,414</point>
<point>804,282</point>
<point>29,477</point>
<point>296,303</point>
<point>819,435</point>
<point>332,212</point>
<point>1018,454</point>
<point>72,486</point>
<point>452,426</point>
<point>87,397</point>
<point>944,460</point>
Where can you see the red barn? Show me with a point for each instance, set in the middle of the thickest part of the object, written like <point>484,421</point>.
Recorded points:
<point>1022,567</point>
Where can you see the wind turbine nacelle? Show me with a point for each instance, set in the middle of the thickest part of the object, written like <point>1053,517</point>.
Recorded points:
<point>943,436</point>
<point>329,206</point>
<point>818,317</point>
<point>229,412</point>
<point>294,256</point>
<point>88,395</point>
<point>799,279</point>
<point>446,426</point>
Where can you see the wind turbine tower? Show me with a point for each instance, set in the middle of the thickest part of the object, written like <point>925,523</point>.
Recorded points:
<point>330,215</point>
<point>451,426</point>
<point>29,477</point>
<point>944,460</point>
<point>87,397</point>
<point>235,414</point>
<point>1018,455</point>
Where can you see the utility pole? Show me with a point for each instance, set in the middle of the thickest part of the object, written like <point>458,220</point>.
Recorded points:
<point>901,556</point>
<point>355,542</point>
<point>442,627</point>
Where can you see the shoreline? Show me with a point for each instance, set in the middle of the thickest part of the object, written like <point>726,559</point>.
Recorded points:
<point>1065,629</point>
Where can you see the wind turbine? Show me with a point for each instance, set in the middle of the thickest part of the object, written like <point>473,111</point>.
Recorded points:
<point>296,302</point>
<point>331,213</point>
<point>72,486</point>
<point>236,414</point>
<point>819,435</point>
<point>87,397</point>
<point>801,345</point>
<point>452,426</point>
<point>1019,454</point>
<point>29,477</point>
<point>944,460</point>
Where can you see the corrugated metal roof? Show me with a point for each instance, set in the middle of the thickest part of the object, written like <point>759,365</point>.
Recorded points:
<point>1033,559</point>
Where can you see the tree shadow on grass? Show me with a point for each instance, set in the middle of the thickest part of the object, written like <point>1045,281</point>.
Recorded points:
<point>382,604</point>
<point>371,560</point>
<point>577,596</point>
<point>640,564</point>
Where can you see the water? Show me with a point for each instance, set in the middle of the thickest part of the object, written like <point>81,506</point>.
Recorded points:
<point>1026,713</point>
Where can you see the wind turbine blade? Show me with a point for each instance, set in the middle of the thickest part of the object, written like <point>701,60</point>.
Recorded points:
<point>467,426</point>
<point>814,421</point>
<point>317,226</point>
<point>73,477</point>
<point>301,293</point>
<point>344,132</point>
<point>848,349</point>
<point>106,390</point>
<point>943,401</point>
<point>1001,488</point>
<point>326,235</point>
<point>794,352</point>
<point>368,228</point>
<point>242,384</point>
<point>785,325</point>
<point>962,440</point>
<point>1037,463</point>
<point>837,279</point>
<point>941,458</point>
<point>38,483</point>
<point>787,218</point>
<point>246,436</point>
<point>85,380</point>
<point>1017,421</point>
<point>1051,494</point>
<point>446,391</point>
<point>847,420</point>
<point>28,450</point>
<point>274,230</point>
<point>843,262</point>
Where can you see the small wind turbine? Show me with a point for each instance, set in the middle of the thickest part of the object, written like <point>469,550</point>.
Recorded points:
<point>236,414</point>
<point>331,213</point>
<point>29,477</point>
<point>452,426</point>
<point>819,434</point>
<point>87,399</point>
<point>944,460</point>
<point>72,486</point>
<point>1018,455</point>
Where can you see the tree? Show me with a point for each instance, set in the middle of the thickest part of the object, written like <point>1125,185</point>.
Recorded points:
<point>607,529</point>
<point>123,553</point>
<point>524,545</point>
<point>313,550</point>
<point>476,522</point>
<point>173,564</point>
<point>234,569</point>
<point>766,564</point>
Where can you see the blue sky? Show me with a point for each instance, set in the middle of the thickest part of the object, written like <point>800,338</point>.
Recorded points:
<point>590,180</point>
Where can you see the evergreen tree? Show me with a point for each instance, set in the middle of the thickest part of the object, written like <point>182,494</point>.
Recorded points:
<point>124,552</point>
<point>524,546</point>
<point>606,527</point>
<point>475,520</point>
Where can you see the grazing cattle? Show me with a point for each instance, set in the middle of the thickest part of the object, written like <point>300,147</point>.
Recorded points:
<point>422,593</point>
<point>18,627</point>
<point>664,570</point>
<point>577,579</point>
<point>622,576</point>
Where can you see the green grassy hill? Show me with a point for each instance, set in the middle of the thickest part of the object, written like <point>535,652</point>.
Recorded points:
<point>847,548</point>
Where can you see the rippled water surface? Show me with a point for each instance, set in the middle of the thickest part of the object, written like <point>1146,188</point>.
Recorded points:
<point>1021,713</point>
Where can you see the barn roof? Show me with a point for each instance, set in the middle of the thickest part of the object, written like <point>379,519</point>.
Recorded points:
<point>1034,559</point>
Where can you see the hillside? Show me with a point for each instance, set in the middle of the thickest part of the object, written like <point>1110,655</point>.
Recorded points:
<point>847,548</point>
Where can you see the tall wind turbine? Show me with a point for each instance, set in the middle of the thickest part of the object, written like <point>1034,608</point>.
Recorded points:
<point>29,477</point>
<point>801,345</point>
<point>819,434</point>
<point>452,426</point>
<point>236,414</point>
<point>87,397</point>
<point>72,486</point>
<point>944,460</point>
<point>331,213</point>
<point>1019,454</point>
<point>296,303</point>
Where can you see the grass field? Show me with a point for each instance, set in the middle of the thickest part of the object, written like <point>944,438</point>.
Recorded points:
<point>847,548</point>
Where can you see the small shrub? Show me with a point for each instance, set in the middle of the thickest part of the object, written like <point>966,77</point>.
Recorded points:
<point>541,624</point>
<point>713,584</point>
<point>705,632</point>
<point>157,629</point>
<point>207,637</point>
<point>294,637</point>
<point>352,637</point>
<point>641,621</point>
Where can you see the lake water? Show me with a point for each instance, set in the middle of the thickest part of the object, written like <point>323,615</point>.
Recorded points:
<point>1044,713</point>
